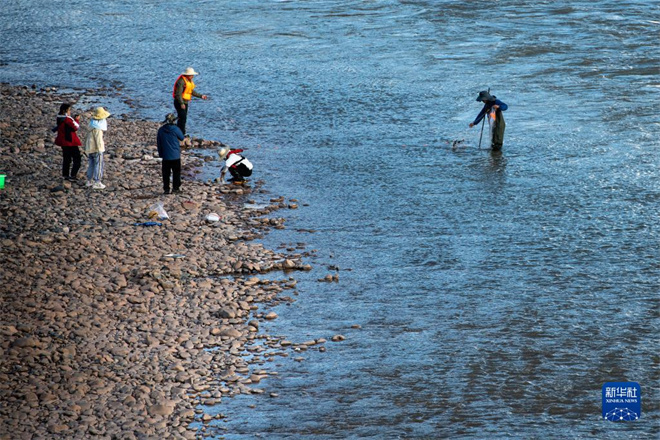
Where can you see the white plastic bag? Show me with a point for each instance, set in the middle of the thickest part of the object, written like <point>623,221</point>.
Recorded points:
<point>157,211</point>
<point>212,217</point>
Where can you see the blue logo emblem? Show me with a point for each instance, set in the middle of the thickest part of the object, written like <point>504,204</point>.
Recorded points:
<point>622,401</point>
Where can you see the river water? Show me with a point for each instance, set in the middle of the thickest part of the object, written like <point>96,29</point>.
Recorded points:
<point>496,293</point>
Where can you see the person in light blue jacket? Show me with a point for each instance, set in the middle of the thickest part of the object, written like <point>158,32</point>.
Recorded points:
<point>95,146</point>
<point>169,149</point>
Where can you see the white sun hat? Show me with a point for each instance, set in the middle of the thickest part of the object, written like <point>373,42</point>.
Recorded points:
<point>190,72</point>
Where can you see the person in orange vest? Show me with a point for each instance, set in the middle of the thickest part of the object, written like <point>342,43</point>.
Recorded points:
<point>184,90</point>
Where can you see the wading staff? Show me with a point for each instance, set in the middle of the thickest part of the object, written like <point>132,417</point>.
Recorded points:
<point>482,126</point>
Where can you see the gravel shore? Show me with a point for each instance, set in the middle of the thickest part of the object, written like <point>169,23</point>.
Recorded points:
<point>115,330</point>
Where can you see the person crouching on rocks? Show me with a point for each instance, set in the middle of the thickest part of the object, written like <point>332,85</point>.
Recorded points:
<point>94,147</point>
<point>169,149</point>
<point>239,167</point>
<point>67,138</point>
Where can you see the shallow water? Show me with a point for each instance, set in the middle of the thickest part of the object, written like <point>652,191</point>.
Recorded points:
<point>496,293</point>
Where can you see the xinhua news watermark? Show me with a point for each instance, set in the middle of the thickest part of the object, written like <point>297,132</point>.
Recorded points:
<point>622,401</point>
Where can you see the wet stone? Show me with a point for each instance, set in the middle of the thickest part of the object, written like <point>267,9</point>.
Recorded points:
<point>111,341</point>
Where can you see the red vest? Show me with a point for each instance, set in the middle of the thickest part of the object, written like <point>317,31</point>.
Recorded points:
<point>186,95</point>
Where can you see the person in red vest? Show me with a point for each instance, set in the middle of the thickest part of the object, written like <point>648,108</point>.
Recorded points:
<point>184,90</point>
<point>238,165</point>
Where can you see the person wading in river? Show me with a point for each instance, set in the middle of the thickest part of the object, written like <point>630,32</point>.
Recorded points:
<point>184,90</point>
<point>493,108</point>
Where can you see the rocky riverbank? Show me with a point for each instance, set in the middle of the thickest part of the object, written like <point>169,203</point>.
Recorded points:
<point>115,330</point>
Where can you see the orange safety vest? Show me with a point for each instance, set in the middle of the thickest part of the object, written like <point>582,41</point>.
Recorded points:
<point>186,95</point>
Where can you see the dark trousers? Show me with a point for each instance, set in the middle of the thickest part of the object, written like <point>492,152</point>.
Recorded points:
<point>173,167</point>
<point>182,114</point>
<point>240,172</point>
<point>70,154</point>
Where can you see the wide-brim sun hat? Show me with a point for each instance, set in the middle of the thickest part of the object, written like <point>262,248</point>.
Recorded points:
<point>170,118</point>
<point>223,152</point>
<point>190,72</point>
<point>484,96</point>
<point>100,113</point>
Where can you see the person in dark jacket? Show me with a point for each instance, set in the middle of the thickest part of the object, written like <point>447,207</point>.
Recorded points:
<point>169,149</point>
<point>67,138</point>
<point>183,92</point>
<point>493,108</point>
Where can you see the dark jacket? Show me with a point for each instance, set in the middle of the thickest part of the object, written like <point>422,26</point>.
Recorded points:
<point>66,132</point>
<point>486,109</point>
<point>167,142</point>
